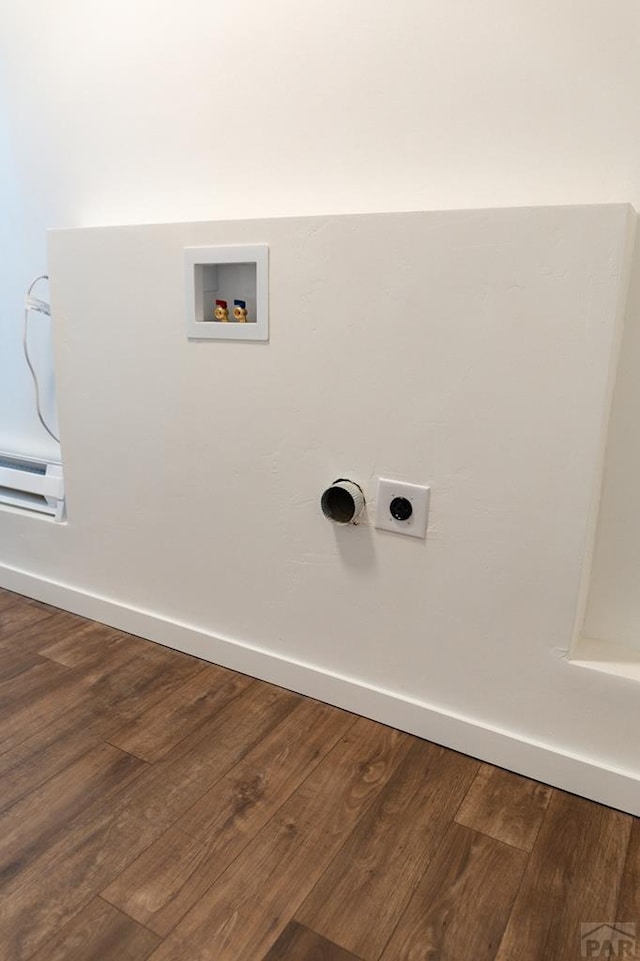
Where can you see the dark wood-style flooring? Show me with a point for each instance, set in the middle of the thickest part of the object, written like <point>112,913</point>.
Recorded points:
<point>153,805</point>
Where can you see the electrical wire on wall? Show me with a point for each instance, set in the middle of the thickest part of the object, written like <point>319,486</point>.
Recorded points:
<point>40,306</point>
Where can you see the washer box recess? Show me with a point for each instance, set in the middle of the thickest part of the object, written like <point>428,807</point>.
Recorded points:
<point>227,273</point>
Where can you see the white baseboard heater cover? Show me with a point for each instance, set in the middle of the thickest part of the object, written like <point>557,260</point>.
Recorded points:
<point>32,484</point>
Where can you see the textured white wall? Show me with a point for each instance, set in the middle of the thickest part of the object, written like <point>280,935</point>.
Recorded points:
<point>154,111</point>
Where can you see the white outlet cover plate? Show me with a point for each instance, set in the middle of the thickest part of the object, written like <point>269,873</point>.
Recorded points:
<point>416,525</point>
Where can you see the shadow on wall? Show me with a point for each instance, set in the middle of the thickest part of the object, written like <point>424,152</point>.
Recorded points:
<point>613,608</point>
<point>355,546</point>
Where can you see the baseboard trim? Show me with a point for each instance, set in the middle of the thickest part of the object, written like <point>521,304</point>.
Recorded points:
<point>545,762</point>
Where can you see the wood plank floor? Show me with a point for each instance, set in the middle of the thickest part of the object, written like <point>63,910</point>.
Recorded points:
<point>156,806</point>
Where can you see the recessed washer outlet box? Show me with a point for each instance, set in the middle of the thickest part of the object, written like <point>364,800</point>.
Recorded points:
<point>229,274</point>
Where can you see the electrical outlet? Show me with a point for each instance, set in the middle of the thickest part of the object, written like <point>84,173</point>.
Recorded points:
<point>403,508</point>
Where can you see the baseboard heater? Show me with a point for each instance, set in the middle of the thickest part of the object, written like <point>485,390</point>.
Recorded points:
<point>32,484</point>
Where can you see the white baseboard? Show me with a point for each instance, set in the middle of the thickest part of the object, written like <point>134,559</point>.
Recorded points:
<point>543,762</point>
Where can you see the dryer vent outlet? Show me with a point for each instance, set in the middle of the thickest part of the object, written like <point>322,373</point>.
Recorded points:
<point>343,502</point>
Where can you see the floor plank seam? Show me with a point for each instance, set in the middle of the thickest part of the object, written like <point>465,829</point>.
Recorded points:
<point>466,793</point>
<point>402,913</point>
<point>522,880</point>
<point>140,924</point>
<point>138,757</point>
<point>492,837</point>
<point>76,760</point>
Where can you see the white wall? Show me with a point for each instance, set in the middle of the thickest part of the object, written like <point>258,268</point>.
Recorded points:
<point>448,348</point>
<point>613,610</point>
<point>158,111</point>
